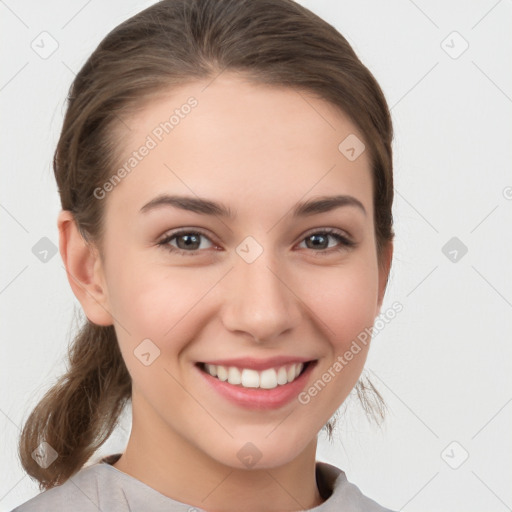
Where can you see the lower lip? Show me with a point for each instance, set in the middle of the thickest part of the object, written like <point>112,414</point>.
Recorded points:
<point>257,398</point>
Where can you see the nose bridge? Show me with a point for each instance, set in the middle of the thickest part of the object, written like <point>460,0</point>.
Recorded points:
<point>261,302</point>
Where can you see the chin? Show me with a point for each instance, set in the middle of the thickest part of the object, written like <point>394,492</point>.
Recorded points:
<point>266,451</point>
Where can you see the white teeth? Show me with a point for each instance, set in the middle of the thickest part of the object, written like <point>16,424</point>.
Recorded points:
<point>222,373</point>
<point>282,376</point>
<point>211,369</point>
<point>234,375</point>
<point>248,378</point>
<point>268,379</point>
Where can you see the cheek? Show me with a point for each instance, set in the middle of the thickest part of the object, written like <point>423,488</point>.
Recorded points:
<point>344,300</point>
<point>165,308</point>
<point>158,303</point>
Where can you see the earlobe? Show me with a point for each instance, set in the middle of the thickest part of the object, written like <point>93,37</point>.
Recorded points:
<point>84,270</point>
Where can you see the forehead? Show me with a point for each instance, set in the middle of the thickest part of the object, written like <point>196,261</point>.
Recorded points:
<point>243,143</point>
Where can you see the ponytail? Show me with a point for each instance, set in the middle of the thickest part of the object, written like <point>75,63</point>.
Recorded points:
<point>78,414</point>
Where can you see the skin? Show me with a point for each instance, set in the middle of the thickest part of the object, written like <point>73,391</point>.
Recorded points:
<point>260,150</point>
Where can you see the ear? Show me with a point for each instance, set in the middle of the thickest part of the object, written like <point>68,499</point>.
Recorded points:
<point>384,268</point>
<point>84,270</point>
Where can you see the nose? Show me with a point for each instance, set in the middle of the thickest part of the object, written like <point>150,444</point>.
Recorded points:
<point>259,299</point>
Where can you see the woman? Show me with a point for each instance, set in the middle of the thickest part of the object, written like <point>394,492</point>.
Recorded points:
<point>225,174</point>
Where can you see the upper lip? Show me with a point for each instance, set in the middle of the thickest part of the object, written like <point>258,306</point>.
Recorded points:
<point>259,364</point>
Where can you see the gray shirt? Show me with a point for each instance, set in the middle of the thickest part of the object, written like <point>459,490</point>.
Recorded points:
<point>102,487</point>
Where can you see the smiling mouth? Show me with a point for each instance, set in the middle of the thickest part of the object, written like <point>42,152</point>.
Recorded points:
<point>249,378</point>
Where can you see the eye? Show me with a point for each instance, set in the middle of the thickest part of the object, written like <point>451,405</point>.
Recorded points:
<point>319,239</point>
<point>188,242</point>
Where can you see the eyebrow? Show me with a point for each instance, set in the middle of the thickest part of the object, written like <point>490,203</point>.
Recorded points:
<point>207,207</point>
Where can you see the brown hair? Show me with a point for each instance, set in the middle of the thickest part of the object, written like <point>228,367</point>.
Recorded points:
<point>276,42</point>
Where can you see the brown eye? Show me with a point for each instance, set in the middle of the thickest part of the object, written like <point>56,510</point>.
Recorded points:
<point>187,242</point>
<point>320,240</point>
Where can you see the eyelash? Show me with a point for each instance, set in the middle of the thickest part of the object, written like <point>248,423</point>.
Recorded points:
<point>344,241</point>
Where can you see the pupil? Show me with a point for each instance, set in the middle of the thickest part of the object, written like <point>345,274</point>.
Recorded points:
<point>315,238</point>
<point>190,239</point>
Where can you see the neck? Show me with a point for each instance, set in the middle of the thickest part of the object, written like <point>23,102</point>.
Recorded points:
<point>165,461</point>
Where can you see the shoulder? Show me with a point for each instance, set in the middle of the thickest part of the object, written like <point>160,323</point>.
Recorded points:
<point>345,495</point>
<point>101,487</point>
<point>81,493</point>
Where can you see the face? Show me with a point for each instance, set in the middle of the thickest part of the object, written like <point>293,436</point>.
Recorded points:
<point>270,286</point>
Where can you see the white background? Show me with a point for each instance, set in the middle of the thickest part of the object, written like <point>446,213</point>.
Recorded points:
<point>443,365</point>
